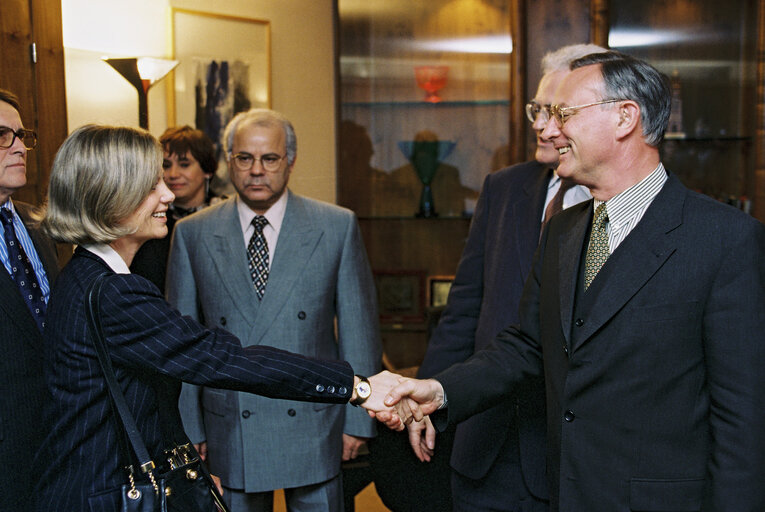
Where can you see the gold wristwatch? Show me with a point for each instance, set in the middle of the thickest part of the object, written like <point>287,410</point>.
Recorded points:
<point>363,391</point>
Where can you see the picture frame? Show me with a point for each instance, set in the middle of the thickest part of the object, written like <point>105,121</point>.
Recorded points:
<point>224,68</point>
<point>438,290</point>
<point>400,296</point>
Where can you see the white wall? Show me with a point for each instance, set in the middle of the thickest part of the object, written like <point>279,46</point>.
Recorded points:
<point>302,74</point>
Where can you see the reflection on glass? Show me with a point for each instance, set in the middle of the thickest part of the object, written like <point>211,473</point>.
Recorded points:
<point>381,44</point>
<point>709,51</point>
<point>425,156</point>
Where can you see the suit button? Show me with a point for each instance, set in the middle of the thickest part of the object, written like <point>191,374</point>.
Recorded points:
<point>301,315</point>
<point>569,416</point>
<point>331,389</point>
<point>342,391</point>
<point>222,320</point>
<point>319,388</point>
<point>291,412</point>
<point>565,349</point>
<point>579,322</point>
<point>245,414</point>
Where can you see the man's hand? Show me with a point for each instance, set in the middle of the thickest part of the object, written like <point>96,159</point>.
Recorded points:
<point>414,399</point>
<point>422,445</point>
<point>351,446</point>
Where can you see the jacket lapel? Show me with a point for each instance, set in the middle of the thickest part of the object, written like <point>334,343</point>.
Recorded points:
<point>13,304</point>
<point>527,213</point>
<point>569,256</point>
<point>229,256</point>
<point>298,238</point>
<point>635,261</point>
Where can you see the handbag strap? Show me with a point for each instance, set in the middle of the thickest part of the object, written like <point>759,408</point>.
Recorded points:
<point>124,416</point>
<point>118,402</point>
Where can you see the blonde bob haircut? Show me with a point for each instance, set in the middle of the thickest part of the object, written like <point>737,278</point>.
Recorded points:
<point>101,175</point>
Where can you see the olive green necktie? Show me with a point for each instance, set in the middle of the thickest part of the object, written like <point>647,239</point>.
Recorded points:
<point>597,250</point>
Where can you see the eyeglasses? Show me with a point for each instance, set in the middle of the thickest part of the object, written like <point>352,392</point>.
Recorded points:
<point>536,111</point>
<point>8,137</point>
<point>270,162</point>
<point>562,114</point>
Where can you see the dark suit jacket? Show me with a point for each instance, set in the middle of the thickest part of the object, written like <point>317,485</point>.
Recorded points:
<point>151,344</point>
<point>22,388</point>
<point>654,388</point>
<point>483,300</point>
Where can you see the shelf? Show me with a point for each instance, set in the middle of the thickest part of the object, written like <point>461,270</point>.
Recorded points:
<point>442,104</point>
<point>683,138</point>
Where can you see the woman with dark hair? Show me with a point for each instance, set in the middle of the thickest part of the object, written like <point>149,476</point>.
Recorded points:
<point>107,196</point>
<point>189,163</point>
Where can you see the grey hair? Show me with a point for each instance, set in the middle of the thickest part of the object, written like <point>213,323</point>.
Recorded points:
<point>99,177</point>
<point>262,117</point>
<point>628,78</point>
<point>560,59</point>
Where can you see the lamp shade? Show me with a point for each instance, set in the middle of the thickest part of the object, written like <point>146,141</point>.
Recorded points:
<point>142,73</point>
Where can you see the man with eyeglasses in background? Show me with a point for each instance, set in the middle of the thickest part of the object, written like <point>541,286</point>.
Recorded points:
<point>30,266</point>
<point>277,269</point>
<point>498,456</point>
<point>645,310</point>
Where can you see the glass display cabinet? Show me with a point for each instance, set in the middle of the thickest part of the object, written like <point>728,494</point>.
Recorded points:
<point>708,49</point>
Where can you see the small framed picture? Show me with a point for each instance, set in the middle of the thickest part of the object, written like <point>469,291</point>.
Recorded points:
<point>438,290</point>
<point>400,296</point>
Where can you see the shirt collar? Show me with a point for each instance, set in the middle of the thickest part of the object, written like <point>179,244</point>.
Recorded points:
<point>110,257</point>
<point>274,215</point>
<point>9,204</point>
<point>632,201</point>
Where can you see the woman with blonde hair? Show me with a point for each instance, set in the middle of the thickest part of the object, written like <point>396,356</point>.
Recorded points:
<point>107,196</point>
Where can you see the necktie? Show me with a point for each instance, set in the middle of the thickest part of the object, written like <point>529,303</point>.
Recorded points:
<point>597,250</point>
<point>556,203</point>
<point>257,255</point>
<point>23,273</point>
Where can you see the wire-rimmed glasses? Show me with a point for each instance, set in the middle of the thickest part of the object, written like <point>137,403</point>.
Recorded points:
<point>270,162</point>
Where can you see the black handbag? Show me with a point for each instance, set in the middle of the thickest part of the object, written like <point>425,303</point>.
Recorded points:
<point>180,483</point>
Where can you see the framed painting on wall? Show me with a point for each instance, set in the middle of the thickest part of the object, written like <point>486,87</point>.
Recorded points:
<point>225,68</point>
<point>400,296</point>
<point>438,290</point>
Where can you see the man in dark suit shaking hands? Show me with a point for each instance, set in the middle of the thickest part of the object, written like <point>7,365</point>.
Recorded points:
<point>644,311</point>
<point>22,388</point>
<point>498,457</point>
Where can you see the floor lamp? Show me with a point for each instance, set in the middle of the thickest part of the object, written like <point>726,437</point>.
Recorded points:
<point>142,73</point>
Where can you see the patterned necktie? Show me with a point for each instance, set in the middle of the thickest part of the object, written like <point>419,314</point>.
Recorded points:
<point>23,273</point>
<point>257,255</point>
<point>556,203</point>
<point>597,250</point>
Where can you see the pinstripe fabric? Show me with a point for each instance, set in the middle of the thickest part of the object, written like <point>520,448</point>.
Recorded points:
<point>151,344</point>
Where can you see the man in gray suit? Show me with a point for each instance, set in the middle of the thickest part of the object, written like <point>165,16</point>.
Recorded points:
<point>277,269</point>
<point>22,388</point>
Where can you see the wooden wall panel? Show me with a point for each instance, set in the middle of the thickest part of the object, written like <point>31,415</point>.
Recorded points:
<point>40,87</point>
<point>50,92</point>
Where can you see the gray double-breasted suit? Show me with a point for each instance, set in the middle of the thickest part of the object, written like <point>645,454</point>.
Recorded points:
<point>319,301</point>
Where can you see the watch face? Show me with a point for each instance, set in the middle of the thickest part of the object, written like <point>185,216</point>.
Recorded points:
<point>363,389</point>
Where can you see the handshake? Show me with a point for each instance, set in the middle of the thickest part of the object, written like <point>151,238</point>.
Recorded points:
<point>399,401</point>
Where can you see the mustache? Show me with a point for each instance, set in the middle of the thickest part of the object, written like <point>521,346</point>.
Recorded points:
<point>258,181</point>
